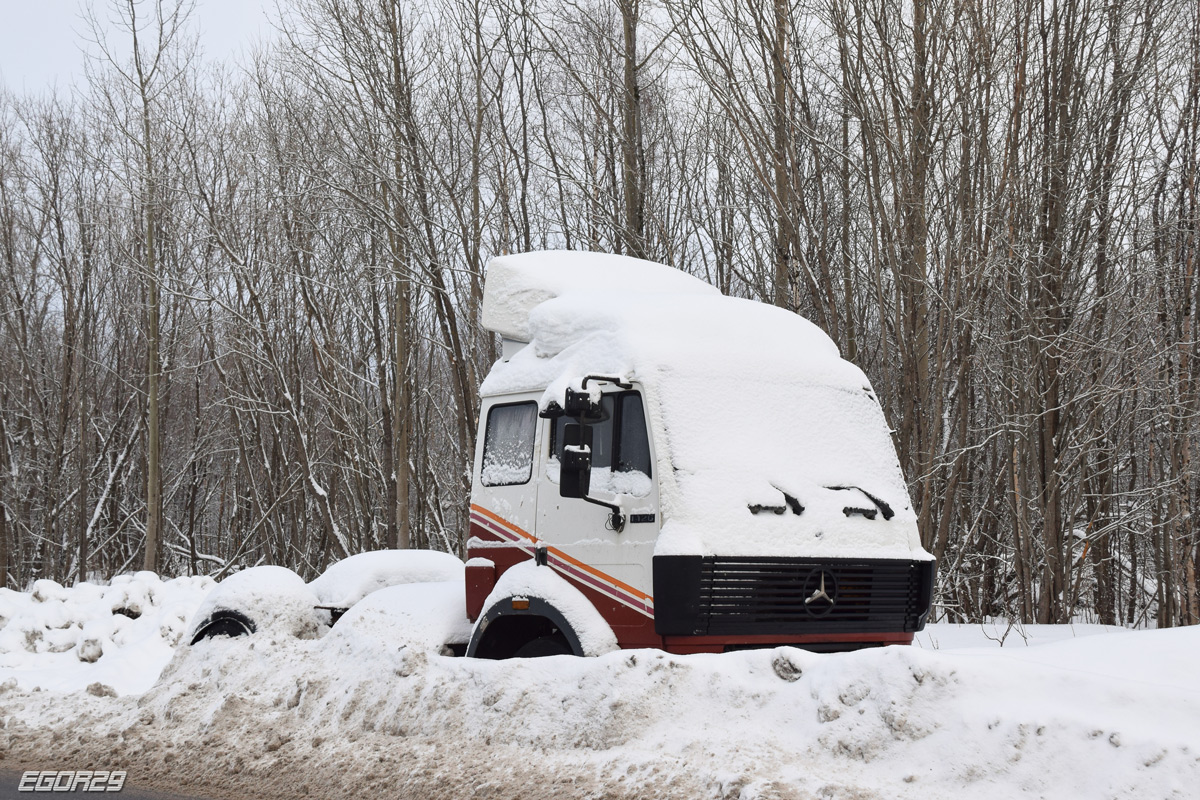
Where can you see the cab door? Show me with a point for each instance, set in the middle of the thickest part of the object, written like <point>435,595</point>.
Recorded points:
<point>505,486</point>
<point>597,556</point>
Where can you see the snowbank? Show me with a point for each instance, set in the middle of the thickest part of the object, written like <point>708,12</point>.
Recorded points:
<point>121,635</point>
<point>275,599</point>
<point>353,578</point>
<point>1106,716</point>
<point>986,711</point>
<point>425,616</point>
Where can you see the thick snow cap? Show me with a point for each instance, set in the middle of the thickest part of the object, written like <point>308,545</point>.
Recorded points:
<point>749,405</point>
<point>518,284</point>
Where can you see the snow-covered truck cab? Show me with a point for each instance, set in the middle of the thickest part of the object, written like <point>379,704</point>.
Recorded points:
<point>662,466</point>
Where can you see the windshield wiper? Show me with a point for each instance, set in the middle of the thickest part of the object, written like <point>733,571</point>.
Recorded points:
<point>792,503</point>
<point>869,513</point>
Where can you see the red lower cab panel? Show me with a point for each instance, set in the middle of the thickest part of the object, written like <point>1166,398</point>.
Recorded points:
<point>712,605</point>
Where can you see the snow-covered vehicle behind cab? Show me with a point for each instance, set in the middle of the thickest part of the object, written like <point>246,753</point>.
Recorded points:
<point>657,465</point>
<point>704,473</point>
<point>269,598</point>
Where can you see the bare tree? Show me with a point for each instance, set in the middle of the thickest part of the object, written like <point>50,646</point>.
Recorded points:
<point>134,88</point>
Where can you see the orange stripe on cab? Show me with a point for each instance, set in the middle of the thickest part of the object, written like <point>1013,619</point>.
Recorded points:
<point>560,554</point>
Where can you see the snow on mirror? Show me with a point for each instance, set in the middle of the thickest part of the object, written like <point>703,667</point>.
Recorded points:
<point>508,445</point>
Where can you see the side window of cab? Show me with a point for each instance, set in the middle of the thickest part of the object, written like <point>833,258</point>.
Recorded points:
<point>508,444</point>
<point>620,445</point>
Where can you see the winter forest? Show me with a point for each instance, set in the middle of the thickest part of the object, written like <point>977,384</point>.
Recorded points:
<point>239,306</point>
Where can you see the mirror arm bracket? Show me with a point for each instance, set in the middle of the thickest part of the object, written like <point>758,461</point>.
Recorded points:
<point>616,519</point>
<point>616,381</point>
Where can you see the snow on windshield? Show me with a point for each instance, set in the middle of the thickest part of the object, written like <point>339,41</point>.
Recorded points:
<point>771,444</point>
<point>819,435</point>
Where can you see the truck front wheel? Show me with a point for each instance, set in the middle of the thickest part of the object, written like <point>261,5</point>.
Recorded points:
<point>555,645</point>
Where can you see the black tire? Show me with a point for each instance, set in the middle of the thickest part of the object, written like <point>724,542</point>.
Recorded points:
<point>555,645</point>
<point>224,623</point>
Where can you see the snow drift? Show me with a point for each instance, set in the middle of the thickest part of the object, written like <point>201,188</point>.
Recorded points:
<point>120,635</point>
<point>372,707</point>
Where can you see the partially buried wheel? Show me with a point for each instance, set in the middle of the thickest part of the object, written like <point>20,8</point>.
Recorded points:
<point>225,622</point>
<point>555,645</point>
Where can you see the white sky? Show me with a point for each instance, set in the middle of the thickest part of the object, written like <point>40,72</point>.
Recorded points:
<point>41,41</point>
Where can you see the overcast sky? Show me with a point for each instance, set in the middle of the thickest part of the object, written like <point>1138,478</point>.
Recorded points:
<point>41,45</point>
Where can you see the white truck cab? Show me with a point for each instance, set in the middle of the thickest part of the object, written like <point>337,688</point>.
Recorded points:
<point>681,470</point>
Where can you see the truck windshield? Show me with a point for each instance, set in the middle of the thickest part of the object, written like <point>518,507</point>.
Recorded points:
<point>788,434</point>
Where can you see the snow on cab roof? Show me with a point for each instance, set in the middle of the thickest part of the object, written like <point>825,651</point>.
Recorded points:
<point>625,316</point>
<point>517,284</point>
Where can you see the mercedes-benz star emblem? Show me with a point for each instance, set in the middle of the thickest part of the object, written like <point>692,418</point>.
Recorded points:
<point>821,587</point>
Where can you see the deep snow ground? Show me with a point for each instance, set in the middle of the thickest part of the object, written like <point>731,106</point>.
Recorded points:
<point>1053,713</point>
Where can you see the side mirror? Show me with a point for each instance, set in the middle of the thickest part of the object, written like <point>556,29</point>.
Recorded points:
<point>575,468</point>
<point>580,406</point>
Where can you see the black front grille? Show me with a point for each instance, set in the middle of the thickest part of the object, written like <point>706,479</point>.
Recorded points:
<point>766,596</point>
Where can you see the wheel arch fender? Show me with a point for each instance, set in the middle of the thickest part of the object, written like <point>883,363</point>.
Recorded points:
<point>533,621</point>
<point>554,606</point>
